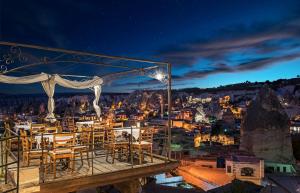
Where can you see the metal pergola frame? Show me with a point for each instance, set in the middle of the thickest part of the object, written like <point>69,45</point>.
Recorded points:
<point>110,61</point>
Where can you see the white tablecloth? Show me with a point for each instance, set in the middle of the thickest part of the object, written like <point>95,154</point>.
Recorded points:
<point>79,124</point>
<point>18,127</point>
<point>135,131</point>
<point>50,137</point>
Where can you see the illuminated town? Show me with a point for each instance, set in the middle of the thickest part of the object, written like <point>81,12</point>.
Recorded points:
<point>188,119</point>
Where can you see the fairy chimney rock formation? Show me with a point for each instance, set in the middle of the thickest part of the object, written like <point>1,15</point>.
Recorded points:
<point>265,129</point>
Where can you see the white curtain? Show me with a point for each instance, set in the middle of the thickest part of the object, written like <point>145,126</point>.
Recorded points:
<point>24,79</point>
<point>49,87</point>
<point>97,91</point>
<point>78,84</point>
<point>48,83</point>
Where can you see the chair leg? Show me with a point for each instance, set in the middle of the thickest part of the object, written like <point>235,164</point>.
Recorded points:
<point>73,162</point>
<point>28,159</point>
<point>81,157</point>
<point>46,165</point>
<point>87,158</point>
<point>24,159</point>
<point>151,154</point>
<point>54,167</point>
<point>107,152</point>
<point>113,155</point>
<point>140,155</point>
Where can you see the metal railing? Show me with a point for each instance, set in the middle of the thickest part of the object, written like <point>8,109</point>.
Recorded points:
<point>10,161</point>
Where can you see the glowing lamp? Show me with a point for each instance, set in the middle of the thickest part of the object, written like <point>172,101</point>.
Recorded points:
<point>159,76</point>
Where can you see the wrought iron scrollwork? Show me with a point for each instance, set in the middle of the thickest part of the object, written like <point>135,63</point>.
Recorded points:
<point>14,55</point>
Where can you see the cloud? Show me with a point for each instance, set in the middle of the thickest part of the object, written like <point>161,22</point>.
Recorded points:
<point>259,45</point>
<point>255,64</point>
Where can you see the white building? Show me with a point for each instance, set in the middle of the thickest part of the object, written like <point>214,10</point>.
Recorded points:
<point>246,168</point>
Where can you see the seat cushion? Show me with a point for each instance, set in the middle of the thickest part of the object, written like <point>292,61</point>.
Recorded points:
<point>60,151</point>
<point>142,143</point>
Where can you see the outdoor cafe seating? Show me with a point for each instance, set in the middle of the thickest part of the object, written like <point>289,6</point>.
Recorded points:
<point>54,147</point>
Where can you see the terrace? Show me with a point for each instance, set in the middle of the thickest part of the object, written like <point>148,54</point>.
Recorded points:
<point>66,153</point>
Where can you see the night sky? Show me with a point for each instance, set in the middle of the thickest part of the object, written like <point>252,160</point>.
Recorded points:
<point>208,42</point>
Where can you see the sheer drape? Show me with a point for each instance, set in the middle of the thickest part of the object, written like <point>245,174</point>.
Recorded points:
<point>49,87</point>
<point>49,81</point>
<point>97,91</point>
<point>24,79</point>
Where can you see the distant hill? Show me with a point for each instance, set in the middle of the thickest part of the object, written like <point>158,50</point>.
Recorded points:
<point>243,86</point>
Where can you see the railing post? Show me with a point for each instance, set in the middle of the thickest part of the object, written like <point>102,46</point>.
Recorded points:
<point>169,110</point>
<point>42,167</point>
<point>2,158</point>
<point>6,157</point>
<point>93,150</point>
<point>18,164</point>
<point>130,147</point>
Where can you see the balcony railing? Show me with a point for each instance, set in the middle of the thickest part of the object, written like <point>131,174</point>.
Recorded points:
<point>9,160</point>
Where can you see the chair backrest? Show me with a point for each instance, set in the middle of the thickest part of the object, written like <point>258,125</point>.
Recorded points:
<point>110,136</point>
<point>37,129</point>
<point>7,132</point>
<point>24,140</point>
<point>51,129</point>
<point>146,134</point>
<point>71,125</point>
<point>85,135</point>
<point>118,124</point>
<point>98,129</point>
<point>63,140</point>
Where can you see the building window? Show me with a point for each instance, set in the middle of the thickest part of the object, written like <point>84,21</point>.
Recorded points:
<point>284,169</point>
<point>278,169</point>
<point>247,171</point>
<point>228,169</point>
<point>269,169</point>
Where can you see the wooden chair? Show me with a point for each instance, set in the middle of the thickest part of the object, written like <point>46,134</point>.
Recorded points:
<point>83,147</point>
<point>71,125</point>
<point>28,153</point>
<point>62,149</point>
<point>98,133</point>
<point>114,146</point>
<point>117,125</point>
<point>35,129</point>
<point>144,143</point>
<point>7,133</point>
<point>51,129</point>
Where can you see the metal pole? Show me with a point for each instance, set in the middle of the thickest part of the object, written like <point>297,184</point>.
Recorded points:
<point>93,150</point>
<point>6,159</point>
<point>18,165</point>
<point>2,159</point>
<point>169,110</point>
<point>42,166</point>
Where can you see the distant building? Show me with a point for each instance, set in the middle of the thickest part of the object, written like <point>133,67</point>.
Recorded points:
<point>295,127</point>
<point>273,167</point>
<point>223,139</point>
<point>185,114</point>
<point>246,168</point>
<point>182,124</point>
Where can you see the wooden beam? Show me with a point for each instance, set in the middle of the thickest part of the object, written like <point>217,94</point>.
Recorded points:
<point>71,185</point>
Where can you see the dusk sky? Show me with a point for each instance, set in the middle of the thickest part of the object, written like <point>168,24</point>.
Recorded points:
<point>209,43</point>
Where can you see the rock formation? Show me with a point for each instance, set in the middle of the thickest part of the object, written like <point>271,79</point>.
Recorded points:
<point>265,129</point>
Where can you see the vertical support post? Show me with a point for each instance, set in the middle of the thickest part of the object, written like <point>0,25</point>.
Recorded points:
<point>18,164</point>
<point>130,147</point>
<point>169,110</point>
<point>42,166</point>
<point>6,159</point>
<point>93,150</point>
<point>2,158</point>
